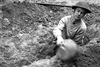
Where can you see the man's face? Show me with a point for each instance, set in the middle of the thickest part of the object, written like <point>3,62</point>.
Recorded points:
<point>79,13</point>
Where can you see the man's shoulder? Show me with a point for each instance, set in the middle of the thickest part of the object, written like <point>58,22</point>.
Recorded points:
<point>65,18</point>
<point>83,25</point>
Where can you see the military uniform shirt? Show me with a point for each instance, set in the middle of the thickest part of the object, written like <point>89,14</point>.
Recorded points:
<point>67,29</point>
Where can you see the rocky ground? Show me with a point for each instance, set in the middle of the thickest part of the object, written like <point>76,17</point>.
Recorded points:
<point>26,38</point>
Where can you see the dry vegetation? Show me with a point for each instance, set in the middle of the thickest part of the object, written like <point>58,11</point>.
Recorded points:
<point>26,35</point>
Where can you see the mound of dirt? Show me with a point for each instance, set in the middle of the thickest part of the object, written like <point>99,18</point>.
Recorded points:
<point>26,33</point>
<point>90,58</point>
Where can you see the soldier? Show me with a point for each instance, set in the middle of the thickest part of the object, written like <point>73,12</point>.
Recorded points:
<point>73,26</point>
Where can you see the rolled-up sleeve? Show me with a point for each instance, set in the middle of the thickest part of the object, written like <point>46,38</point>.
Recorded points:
<point>58,29</point>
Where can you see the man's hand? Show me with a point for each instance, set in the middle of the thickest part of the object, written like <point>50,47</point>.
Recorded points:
<point>60,40</point>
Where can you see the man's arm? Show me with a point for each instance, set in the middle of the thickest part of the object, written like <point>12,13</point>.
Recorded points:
<point>58,31</point>
<point>80,34</point>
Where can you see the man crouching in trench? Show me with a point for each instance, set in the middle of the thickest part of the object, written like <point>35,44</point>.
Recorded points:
<point>71,28</point>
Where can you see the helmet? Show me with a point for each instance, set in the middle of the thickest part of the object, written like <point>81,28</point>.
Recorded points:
<point>83,5</point>
<point>68,50</point>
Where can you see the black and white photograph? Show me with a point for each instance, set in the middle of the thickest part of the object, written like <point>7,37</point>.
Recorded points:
<point>49,33</point>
